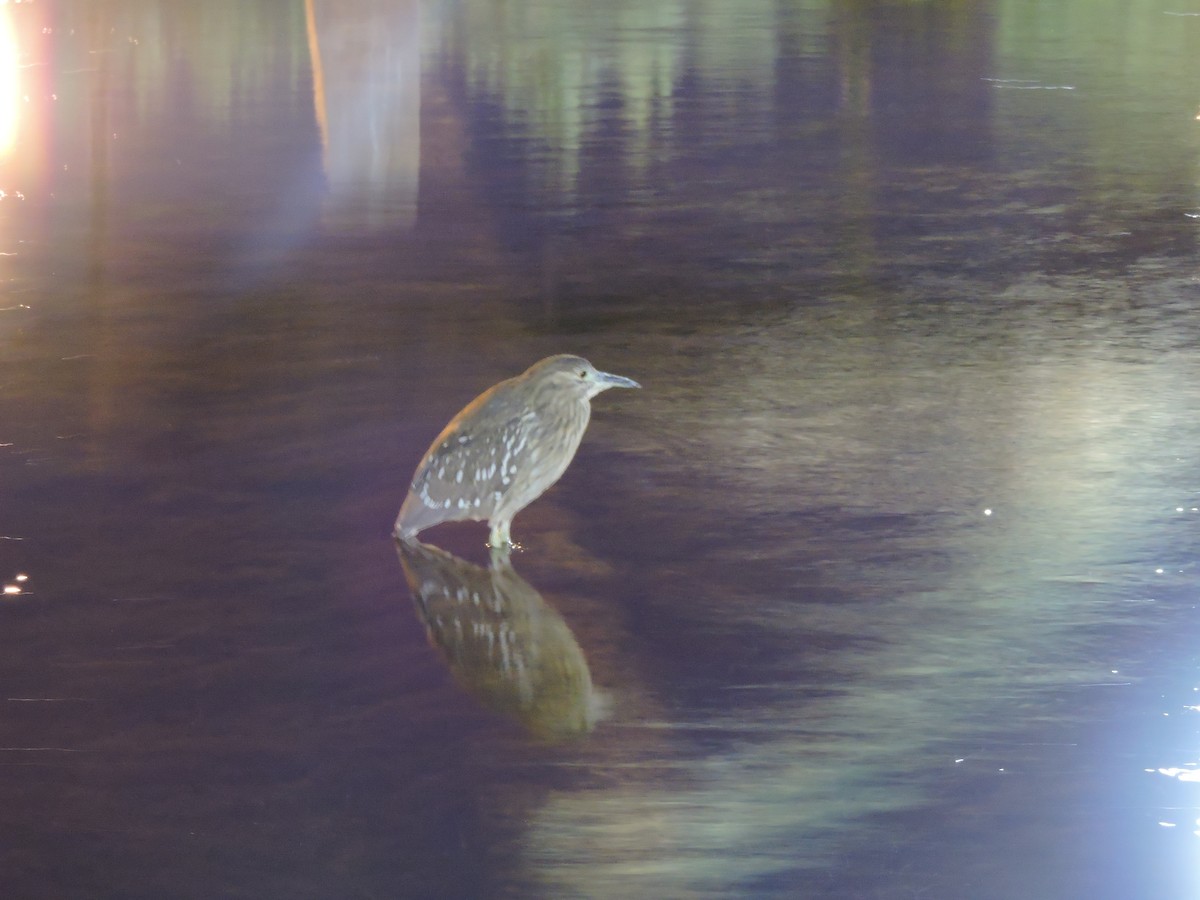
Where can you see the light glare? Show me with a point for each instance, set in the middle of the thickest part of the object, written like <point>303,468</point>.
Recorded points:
<point>10,82</point>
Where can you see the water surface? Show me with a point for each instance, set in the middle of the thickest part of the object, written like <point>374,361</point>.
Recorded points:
<point>883,586</point>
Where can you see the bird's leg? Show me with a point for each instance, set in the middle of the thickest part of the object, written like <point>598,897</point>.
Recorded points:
<point>499,536</point>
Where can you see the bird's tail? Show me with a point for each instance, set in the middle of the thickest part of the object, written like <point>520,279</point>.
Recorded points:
<point>408,522</point>
<point>415,516</point>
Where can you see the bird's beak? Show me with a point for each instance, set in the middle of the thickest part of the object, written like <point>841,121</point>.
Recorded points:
<point>608,380</point>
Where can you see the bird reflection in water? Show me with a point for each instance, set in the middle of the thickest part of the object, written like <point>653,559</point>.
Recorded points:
<point>502,641</point>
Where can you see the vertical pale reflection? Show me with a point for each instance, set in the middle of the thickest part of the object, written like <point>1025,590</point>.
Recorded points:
<point>366,68</point>
<point>557,69</point>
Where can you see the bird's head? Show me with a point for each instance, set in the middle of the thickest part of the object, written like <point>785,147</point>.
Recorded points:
<point>577,375</point>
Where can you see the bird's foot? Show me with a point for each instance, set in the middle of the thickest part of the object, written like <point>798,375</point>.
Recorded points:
<point>505,547</point>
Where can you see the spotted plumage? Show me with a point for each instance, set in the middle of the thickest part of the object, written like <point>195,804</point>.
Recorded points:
<point>505,448</point>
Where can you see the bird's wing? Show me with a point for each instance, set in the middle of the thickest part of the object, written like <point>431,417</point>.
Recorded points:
<point>464,464</point>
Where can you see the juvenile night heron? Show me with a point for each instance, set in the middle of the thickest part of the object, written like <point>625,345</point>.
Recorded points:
<point>505,448</point>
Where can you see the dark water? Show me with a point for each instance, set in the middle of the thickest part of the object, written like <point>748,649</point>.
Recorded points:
<point>883,587</point>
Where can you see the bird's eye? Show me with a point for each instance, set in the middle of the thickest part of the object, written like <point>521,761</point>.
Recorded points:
<point>583,373</point>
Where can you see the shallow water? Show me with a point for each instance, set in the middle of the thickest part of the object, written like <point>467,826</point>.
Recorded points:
<point>883,586</point>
